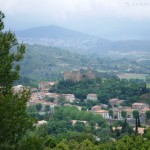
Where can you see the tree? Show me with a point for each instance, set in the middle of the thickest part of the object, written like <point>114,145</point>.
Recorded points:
<point>111,114</point>
<point>62,100</point>
<point>9,67</point>
<point>47,108</point>
<point>124,116</point>
<point>38,107</point>
<point>136,117</point>
<point>147,115</point>
<point>14,120</point>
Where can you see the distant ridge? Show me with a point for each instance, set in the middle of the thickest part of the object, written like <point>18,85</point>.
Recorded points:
<point>51,31</point>
<point>78,42</point>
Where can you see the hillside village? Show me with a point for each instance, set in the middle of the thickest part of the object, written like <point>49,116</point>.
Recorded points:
<point>74,75</point>
<point>41,95</point>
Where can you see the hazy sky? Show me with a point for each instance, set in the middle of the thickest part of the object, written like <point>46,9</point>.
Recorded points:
<point>110,19</point>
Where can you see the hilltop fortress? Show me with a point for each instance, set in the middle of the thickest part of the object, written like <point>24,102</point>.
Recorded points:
<point>79,75</point>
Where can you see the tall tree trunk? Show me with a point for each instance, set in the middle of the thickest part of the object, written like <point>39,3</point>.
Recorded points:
<point>136,128</point>
<point>139,123</point>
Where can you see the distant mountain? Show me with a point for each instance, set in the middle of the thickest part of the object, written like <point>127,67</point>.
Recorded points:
<point>75,41</point>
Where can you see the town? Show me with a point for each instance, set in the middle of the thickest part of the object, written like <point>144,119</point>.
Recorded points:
<point>48,101</point>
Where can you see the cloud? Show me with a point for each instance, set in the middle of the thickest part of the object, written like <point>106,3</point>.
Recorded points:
<point>91,16</point>
<point>63,10</point>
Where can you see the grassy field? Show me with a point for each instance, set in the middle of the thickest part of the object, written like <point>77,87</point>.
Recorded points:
<point>132,76</point>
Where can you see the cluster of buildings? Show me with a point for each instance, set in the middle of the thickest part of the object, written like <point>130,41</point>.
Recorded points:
<point>79,75</point>
<point>118,106</point>
<point>41,95</point>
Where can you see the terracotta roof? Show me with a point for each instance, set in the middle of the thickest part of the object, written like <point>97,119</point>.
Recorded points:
<point>129,110</point>
<point>120,101</point>
<point>94,95</point>
<point>145,109</point>
<point>140,130</point>
<point>101,111</point>
<point>97,106</point>
<point>114,100</point>
<point>139,104</point>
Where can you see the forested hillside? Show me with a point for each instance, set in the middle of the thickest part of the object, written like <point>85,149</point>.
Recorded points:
<point>49,63</point>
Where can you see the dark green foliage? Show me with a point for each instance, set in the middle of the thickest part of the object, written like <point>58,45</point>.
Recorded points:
<point>76,141</point>
<point>50,99</point>
<point>9,68</point>
<point>14,120</point>
<point>111,114</point>
<point>129,90</point>
<point>137,120</point>
<point>148,114</point>
<point>30,141</point>
<point>47,108</point>
<point>38,107</point>
<point>60,124</point>
<point>124,116</point>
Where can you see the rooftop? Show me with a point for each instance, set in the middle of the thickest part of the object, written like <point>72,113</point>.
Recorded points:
<point>92,95</point>
<point>101,111</point>
<point>114,100</point>
<point>139,104</point>
<point>97,106</point>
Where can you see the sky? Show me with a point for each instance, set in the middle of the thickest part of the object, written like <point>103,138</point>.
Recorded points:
<point>109,19</point>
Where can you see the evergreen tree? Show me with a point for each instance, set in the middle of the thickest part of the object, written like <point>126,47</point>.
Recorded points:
<point>14,120</point>
<point>111,115</point>
<point>147,115</point>
<point>124,116</point>
<point>136,117</point>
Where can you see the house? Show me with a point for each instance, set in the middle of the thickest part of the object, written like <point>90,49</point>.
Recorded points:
<point>96,108</point>
<point>40,123</point>
<point>104,106</point>
<point>120,102</point>
<point>115,102</point>
<point>129,111</point>
<point>116,128</point>
<point>39,95</point>
<point>33,90</point>
<point>143,115</point>
<point>92,97</point>
<point>18,89</point>
<point>117,113</point>
<point>139,106</point>
<point>56,96</point>
<point>103,113</point>
<point>45,86</point>
<point>69,97</point>
<point>140,130</point>
<point>75,121</point>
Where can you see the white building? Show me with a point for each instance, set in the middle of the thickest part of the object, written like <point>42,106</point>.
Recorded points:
<point>92,97</point>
